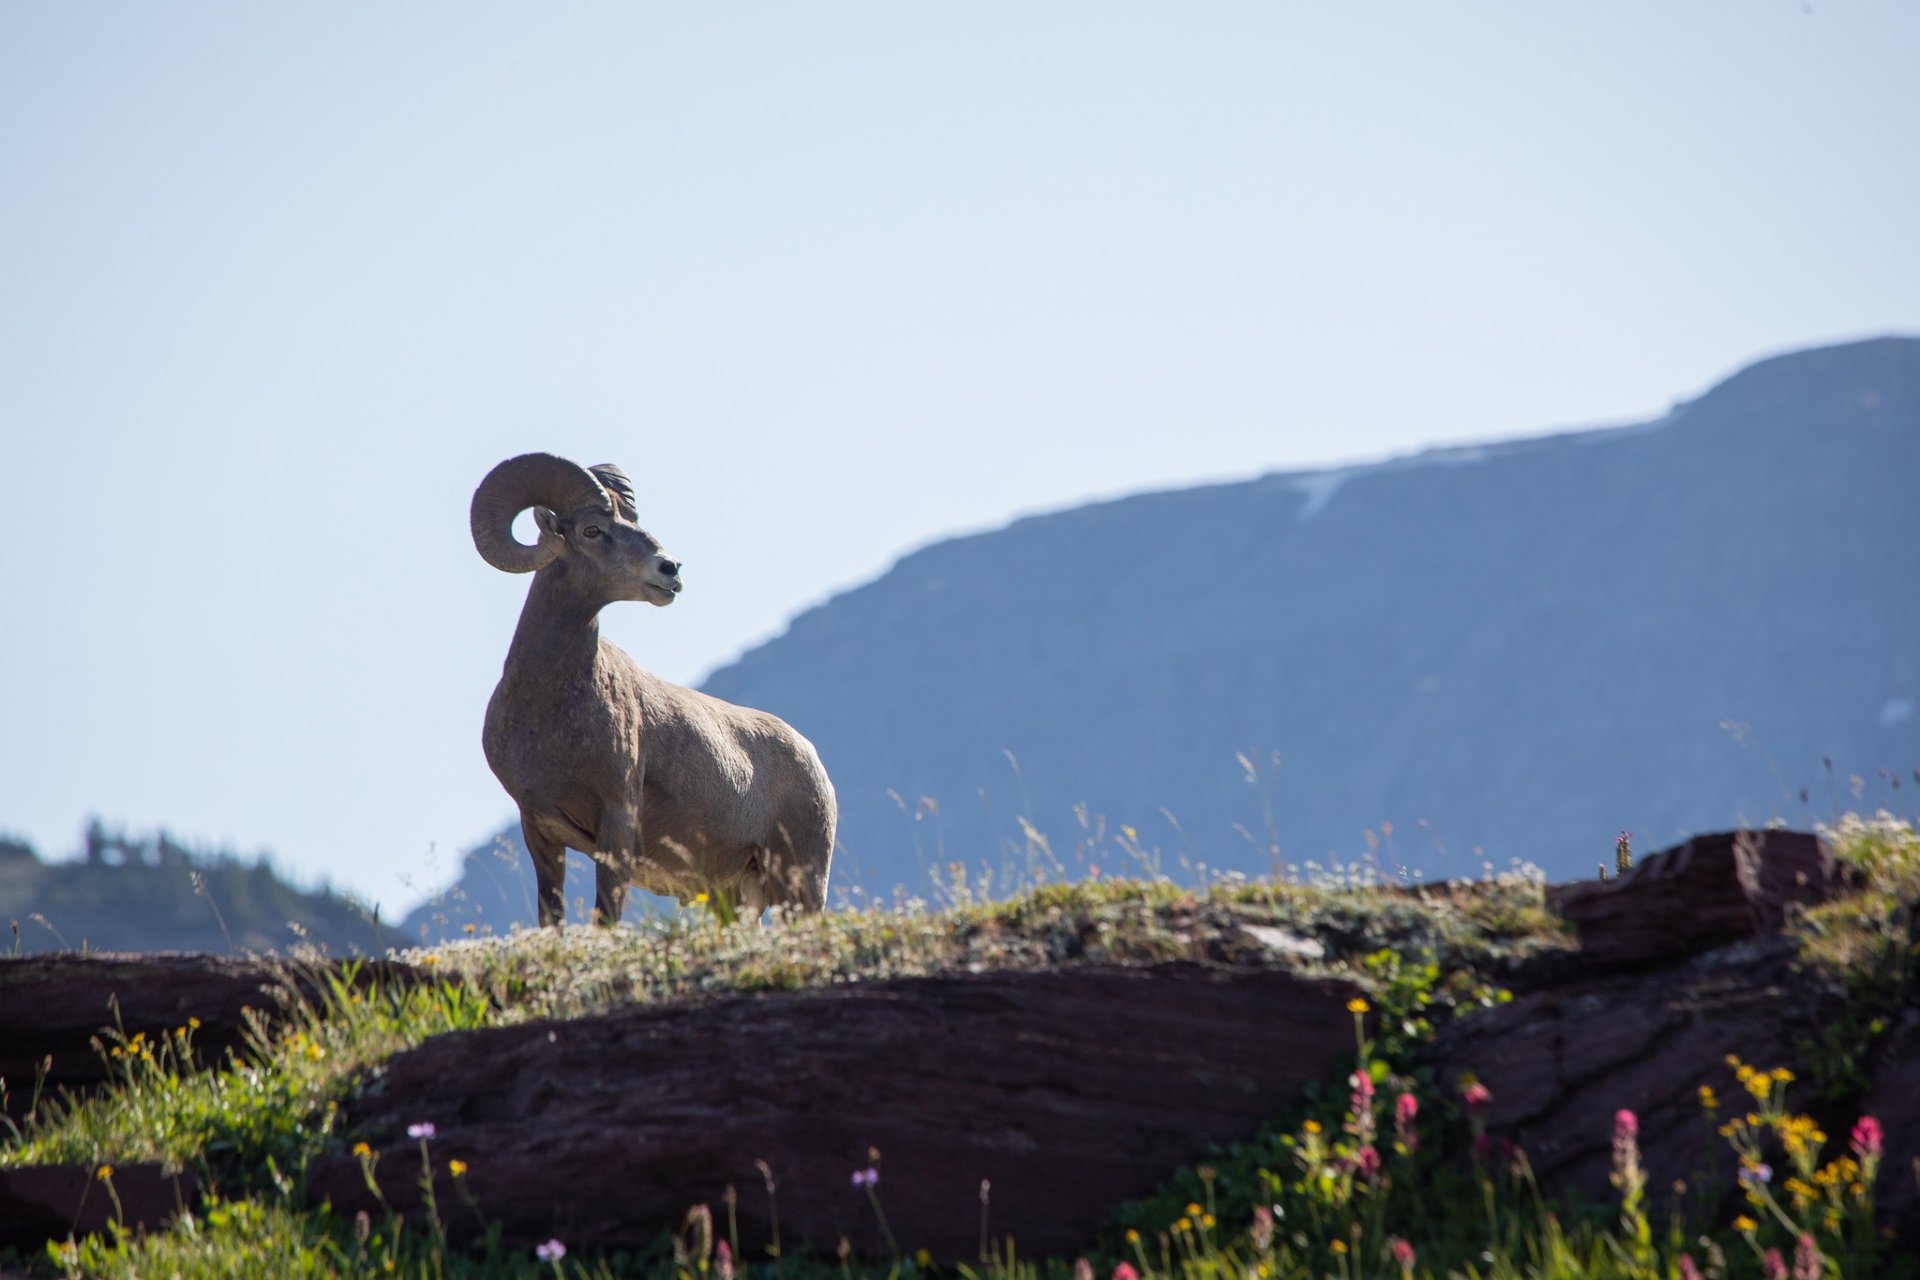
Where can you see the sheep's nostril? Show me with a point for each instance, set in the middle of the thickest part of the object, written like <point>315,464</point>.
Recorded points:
<point>670,567</point>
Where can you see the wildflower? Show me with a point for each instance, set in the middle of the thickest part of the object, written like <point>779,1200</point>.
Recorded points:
<point>362,1150</point>
<point>866,1177</point>
<point>1133,1237</point>
<point>457,1167</point>
<point>922,1258</point>
<point>420,1132</point>
<point>1366,1162</point>
<point>723,1260</point>
<point>1773,1266</point>
<point>1477,1097</point>
<point>104,1172</point>
<point>1755,1173</point>
<point>1866,1139</point>
<point>1082,1269</point>
<point>1806,1259</point>
<point>1193,1211</point>
<point>1311,1127</point>
<point>1745,1226</point>
<point>1182,1225</point>
<point>551,1251</point>
<point>1708,1102</point>
<point>1206,1221</point>
<point>1262,1230</point>
<point>1406,1136</point>
<point>194,1023</point>
<point>1688,1271</point>
<point>1403,1255</point>
<point>1338,1246</point>
<point>1627,1173</point>
<point>1125,1271</point>
<point>1357,1005</point>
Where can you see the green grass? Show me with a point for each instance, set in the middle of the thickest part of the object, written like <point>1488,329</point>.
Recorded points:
<point>1353,1182</point>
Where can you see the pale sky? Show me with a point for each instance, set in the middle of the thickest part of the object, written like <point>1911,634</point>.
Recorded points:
<point>279,283</point>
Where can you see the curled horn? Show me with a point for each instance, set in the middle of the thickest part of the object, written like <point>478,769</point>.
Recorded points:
<point>530,480</point>
<point>616,484</point>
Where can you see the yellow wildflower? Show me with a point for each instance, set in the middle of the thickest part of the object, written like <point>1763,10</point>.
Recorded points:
<point>1206,1220</point>
<point>1781,1075</point>
<point>362,1150</point>
<point>1311,1126</point>
<point>456,1167</point>
<point>922,1258</point>
<point>194,1023</point>
<point>1707,1101</point>
<point>1339,1246</point>
<point>1357,1005</point>
<point>1133,1237</point>
<point>1181,1224</point>
<point>104,1172</point>
<point>1745,1225</point>
<point>1193,1211</point>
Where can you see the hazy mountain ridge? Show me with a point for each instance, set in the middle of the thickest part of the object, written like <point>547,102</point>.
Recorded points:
<point>1528,645</point>
<point>158,895</point>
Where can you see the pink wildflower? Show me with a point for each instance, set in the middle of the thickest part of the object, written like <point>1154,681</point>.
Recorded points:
<point>1477,1097</point>
<point>1806,1259</point>
<point>1627,1174</point>
<point>1262,1227</point>
<point>551,1251</point>
<point>1125,1271</point>
<point>723,1261</point>
<point>866,1177</point>
<point>1867,1139</point>
<point>1688,1271</point>
<point>1082,1269</point>
<point>1405,1108</point>
<point>1773,1266</point>
<point>421,1131</point>
<point>1402,1254</point>
<point>1367,1162</point>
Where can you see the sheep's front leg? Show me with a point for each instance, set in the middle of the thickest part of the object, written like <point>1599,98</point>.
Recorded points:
<point>613,864</point>
<point>549,874</point>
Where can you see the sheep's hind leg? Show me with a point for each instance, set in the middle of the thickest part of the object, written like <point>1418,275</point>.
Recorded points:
<point>613,864</point>
<point>549,873</point>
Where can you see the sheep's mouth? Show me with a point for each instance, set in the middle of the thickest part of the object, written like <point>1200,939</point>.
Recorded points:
<point>662,593</point>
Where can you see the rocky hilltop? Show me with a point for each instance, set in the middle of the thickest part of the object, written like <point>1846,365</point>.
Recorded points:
<point>1069,1057</point>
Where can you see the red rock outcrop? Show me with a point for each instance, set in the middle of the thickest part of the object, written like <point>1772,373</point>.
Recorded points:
<point>1712,890</point>
<point>52,1007</point>
<point>1069,1091</point>
<point>50,1202</point>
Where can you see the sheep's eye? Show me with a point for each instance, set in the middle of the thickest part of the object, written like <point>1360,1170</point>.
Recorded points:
<point>592,531</point>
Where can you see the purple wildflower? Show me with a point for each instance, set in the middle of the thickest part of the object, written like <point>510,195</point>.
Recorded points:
<point>420,1131</point>
<point>551,1251</point>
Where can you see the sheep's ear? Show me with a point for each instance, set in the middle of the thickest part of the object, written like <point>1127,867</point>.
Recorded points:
<point>549,521</point>
<point>616,483</point>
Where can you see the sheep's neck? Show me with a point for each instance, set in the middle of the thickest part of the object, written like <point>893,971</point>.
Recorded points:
<point>559,631</point>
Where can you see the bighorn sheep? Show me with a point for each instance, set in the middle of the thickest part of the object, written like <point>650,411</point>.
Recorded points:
<point>663,787</point>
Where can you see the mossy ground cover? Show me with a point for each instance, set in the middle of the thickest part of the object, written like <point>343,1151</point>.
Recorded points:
<point>1383,1172</point>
